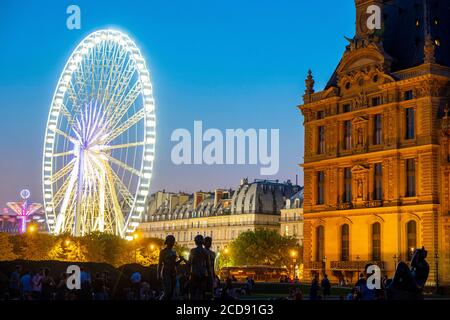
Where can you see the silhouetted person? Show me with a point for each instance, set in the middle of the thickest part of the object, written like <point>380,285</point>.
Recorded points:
<point>99,287</point>
<point>408,284</point>
<point>211,274</point>
<point>48,285</point>
<point>61,287</point>
<point>326,287</point>
<point>136,279</point>
<point>14,283</point>
<point>86,285</point>
<point>167,268</point>
<point>25,285</point>
<point>314,290</point>
<point>364,292</point>
<point>199,266</point>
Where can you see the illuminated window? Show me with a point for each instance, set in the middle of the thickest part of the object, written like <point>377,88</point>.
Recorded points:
<point>411,238</point>
<point>347,135</point>
<point>376,241</point>
<point>410,126</point>
<point>345,242</point>
<point>320,243</point>
<point>377,128</point>
<point>378,182</point>
<point>347,185</point>
<point>320,187</point>
<point>321,140</point>
<point>410,177</point>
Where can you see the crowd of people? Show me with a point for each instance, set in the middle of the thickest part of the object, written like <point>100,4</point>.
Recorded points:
<point>179,278</point>
<point>24,284</point>
<point>195,279</point>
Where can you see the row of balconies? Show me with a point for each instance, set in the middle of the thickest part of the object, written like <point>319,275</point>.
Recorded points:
<point>357,265</point>
<point>291,219</point>
<point>214,225</point>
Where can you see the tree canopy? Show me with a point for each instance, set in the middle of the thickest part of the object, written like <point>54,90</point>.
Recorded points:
<point>263,247</point>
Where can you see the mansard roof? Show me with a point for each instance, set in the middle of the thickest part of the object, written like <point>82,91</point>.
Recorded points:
<point>260,196</point>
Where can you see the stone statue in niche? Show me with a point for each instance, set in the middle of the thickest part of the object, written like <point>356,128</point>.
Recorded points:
<point>359,136</point>
<point>360,188</point>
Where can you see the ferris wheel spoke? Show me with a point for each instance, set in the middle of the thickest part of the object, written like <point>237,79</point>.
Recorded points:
<point>124,145</point>
<point>108,83</point>
<point>63,171</point>
<point>102,67</point>
<point>126,194</point>
<point>124,166</point>
<point>118,216</point>
<point>73,98</point>
<point>68,195</point>
<point>66,113</point>
<point>61,133</point>
<point>126,103</point>
<point>58,196</point>
<point>63,154</point>
<point>123,82</point>
<point>126,125</point>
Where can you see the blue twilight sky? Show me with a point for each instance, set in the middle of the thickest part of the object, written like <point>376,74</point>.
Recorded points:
<point>231,64</point>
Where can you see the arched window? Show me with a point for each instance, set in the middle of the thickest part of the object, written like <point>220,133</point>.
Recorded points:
<point>376,241</point>
<point>345,242</point>
<point>320,243</point>
<point>411,238</point>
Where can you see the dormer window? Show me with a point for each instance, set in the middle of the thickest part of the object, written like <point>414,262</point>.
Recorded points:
<point>376,101</point>
<point>408,95</point>
<point>320,115</point>
<point>346,108</point>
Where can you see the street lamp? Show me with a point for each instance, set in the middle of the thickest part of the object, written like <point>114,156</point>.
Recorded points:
<point>411,252</point>
<point>136,237</point>
<point>324,260</point>
<point>357,263</point>
<point>395,262</point>
<point>31,229</point>
<point>436,261</point>
<point>294,262</point>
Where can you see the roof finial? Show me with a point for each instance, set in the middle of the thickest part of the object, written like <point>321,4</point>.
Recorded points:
<point>309,83</point>
<point>429,49</point>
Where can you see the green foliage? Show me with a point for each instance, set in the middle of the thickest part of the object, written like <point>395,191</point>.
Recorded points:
<point>6,248</point>
<point>94,247</point>
<point>262,247</point>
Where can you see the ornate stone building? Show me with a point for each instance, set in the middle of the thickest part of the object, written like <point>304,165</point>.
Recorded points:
<point>223,214</point>
<point>291,219</point>
<point>377,148</point>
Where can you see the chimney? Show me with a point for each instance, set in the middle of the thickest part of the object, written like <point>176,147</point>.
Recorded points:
<point>217,196</point>
<point>198,198</point>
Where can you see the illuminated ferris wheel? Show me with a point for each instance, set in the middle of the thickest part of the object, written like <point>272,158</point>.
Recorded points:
<point>100,139</point>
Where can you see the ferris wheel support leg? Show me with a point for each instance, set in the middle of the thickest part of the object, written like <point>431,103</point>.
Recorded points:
<point>77,217</point>
<point>101,222</point>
